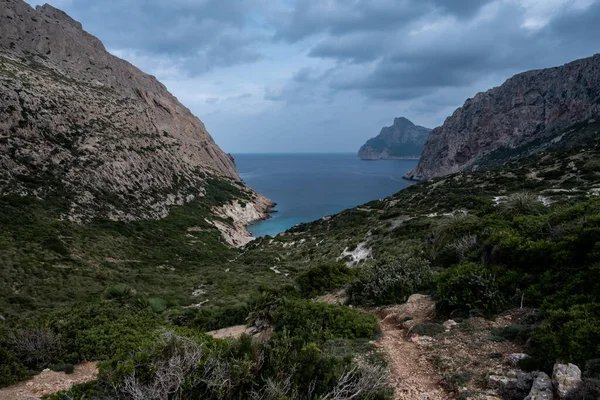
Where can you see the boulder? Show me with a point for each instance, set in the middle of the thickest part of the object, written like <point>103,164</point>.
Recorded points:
<point>519,387</point>
<point>542,388</point>
<point>566,377</point>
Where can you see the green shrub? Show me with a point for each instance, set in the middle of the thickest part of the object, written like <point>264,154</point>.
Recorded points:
<point>391,283</point>
<point>571,335</point>
<point>514,333</point>
<point>449,229</point>
<point>521,204</point>
<point>66,368</point>
<point>102,332</point>
<point>12,369</point>
<point>119,292</point>
<point>324,278</point>
<point>312,321</point>
<point>157,304</point>
<point>467,287</point>
<point>592,369</point>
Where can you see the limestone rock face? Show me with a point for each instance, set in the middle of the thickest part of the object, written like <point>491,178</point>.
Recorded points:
<point>528,110</point>
<point>401,140</point>
<point>78,122</point>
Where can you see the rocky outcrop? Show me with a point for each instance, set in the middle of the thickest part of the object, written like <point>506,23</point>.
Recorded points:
<point>242,213</point>
<point>518,118</point>
<point>82,125</point>
<point>402,140</point>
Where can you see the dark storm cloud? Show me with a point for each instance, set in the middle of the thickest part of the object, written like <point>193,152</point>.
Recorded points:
<point>470,43</point>
<point>311,17</point>
<point>201,35</point>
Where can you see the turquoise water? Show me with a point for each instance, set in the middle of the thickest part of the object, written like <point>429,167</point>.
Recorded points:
<point>307,187</point>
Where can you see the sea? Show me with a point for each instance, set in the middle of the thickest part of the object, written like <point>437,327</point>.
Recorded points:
<point>307,187</point>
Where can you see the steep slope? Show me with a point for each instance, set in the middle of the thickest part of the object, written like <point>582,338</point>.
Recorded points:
<point>401,140</point>
<point>79,123</point>
<point>520,117</point>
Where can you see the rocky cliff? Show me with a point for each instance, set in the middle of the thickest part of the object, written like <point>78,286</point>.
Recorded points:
<point>523,116</point>
<point>401,140</point>
<point>79,123</point>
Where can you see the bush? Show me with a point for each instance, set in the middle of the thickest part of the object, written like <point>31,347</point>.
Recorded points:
<point>35,347</point>
<point>66,368</point>
<point>449,229</point>
<point>12,369</point>
<point>592,369</point>
<point>514,333</point>
<point>391,283</point>
<point>312,321</point>
<point>119,292</point>
<point>571,335</point>
<point>103,332</point>
<point>323,278</point>
<point>521,204</point>
<point>467,287</point>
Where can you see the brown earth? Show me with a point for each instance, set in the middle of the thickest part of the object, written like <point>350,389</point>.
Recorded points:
<point>49,382</point>
<point>412,375</point>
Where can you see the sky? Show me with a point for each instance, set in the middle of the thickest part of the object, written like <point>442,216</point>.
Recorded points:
<point>326,75</point>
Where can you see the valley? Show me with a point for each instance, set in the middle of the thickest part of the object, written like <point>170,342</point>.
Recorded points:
<point>127,271</point>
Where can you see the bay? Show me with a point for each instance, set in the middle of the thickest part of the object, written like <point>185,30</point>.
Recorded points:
<point>307,187</point>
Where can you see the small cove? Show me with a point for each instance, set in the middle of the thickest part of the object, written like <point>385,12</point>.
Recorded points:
<point>307,187</point>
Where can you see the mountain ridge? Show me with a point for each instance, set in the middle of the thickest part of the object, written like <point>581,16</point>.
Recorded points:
<point>537,104</point>
<point>80,122</point>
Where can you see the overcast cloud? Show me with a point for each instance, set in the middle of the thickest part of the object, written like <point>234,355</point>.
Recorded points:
<point>326,75</point>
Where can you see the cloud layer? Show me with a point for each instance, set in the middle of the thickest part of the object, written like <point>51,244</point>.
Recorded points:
<point>325,75</point>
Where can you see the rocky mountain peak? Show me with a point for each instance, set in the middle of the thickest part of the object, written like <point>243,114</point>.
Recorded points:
<point>518,118</point>
<point>76,120</point>
<point>403,122</point>
<point>58,15</point>
<point>401,140</point>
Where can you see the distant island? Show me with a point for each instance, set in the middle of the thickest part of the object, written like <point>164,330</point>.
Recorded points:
<point>402,140</point>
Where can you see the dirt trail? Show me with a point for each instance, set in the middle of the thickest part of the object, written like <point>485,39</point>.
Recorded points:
<point>49,382</point>
<point>231,332</point>
<point>411,373</point>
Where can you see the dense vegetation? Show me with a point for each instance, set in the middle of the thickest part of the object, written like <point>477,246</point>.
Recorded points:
<point>526,234</point>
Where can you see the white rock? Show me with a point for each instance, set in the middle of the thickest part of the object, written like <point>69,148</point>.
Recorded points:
<point>448,325</point>
<point>566,377</point>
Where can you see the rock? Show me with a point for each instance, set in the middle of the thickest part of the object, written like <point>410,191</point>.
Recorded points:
<point>541,388</point>
<point>515,358</point>
<point>401,140</point>
<point>527,107</point>
<point>104,128</point>
<point>497,381</point>
<point>448,325</point>
<point>408,324</point>
<point>519,387</point>
<point>566,377</point>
